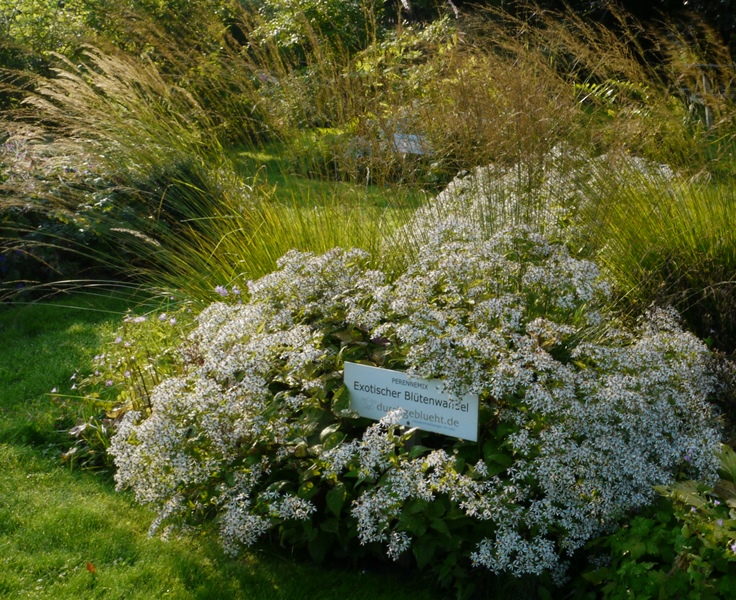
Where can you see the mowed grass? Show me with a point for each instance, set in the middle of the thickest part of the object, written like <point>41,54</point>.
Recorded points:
<point>268,167</point>
<point>68,534</point>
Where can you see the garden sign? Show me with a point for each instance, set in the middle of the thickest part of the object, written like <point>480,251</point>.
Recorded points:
<point>375,391</point>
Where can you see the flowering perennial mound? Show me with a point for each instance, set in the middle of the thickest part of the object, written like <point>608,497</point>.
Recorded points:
<point>579,416</point>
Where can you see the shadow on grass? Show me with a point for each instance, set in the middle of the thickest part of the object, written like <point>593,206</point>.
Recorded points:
<point>44,345</point>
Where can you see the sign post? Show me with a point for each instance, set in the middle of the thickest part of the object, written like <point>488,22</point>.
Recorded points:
<point>375,391</point>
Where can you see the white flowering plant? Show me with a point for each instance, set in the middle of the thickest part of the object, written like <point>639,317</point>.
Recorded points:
<point>579,416</point>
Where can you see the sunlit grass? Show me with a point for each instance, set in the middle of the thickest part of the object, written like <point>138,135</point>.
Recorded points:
<point>268,166</point>
<point>43,346</point>
<point>669,241</point>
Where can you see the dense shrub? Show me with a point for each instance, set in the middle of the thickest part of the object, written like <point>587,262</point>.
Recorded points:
<point>579,418</point>
<point>142,353</point>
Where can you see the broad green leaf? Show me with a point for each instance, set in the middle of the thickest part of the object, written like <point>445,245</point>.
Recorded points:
<point>727,468</point>
<point>335,499</point>
<point>417,451</point>
<point>327,431</point>
<point>423,549</point>
<point>441,526</point>
<point>330,526</point>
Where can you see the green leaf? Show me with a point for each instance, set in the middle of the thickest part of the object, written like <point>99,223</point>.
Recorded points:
<point>349,336</point>
<point>543,593</point>
<point>416,506</point>
<point>330,526</point>
<point>726,491</point>
<point>423,550</point>
<point>636,549</point>
<point>598,576</point>
<point>417,451</point>
<point>727,586</point>
<point>334,440</point>
<point>496,462</point>
<point>341,401</point>
<point>448,565</point>
<point>307,490</point>
<point>727,468</point>
<point>441,526</point>
<point>500,459</point>
<point>335,499</point>
<point>319,545</point>
<point>436,509</point>
<point>686,492</point>
<point>328,431</point>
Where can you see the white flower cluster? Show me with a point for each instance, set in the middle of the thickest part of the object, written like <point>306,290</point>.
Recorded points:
<point>426,478</point>
<point>596,416</point>
<point>473,311</point>
<point>223,408</point>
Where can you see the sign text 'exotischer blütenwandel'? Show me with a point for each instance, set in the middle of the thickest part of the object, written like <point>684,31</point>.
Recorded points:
<point>375,391</point>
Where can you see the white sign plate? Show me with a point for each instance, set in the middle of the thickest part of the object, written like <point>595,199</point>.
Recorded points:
<point>375,391</point>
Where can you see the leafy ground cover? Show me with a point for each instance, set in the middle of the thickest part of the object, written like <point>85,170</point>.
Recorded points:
<point>67,534</point>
